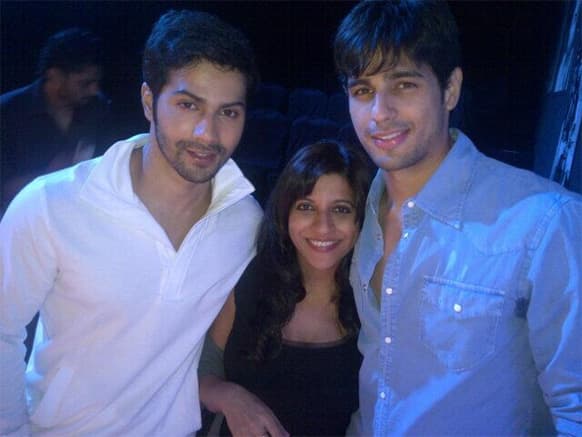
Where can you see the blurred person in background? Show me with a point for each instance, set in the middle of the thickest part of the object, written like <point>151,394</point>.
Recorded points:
<point>59,119</point>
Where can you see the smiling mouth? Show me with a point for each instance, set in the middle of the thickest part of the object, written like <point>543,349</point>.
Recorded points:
<point>203,156</point>
<point>391,140</point>
<point>323,244</point>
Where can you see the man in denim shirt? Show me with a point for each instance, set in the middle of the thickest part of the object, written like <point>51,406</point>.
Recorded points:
<point>467,271</point>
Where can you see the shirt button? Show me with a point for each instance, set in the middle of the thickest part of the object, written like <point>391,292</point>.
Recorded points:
<point>365,287</point>
<point>457,307</point>
<point>405,235</point>
<point>383,395</point>
<point>389,290</point>
<point>410,204</point>
<point>387,340</point>
<point>378,237</point>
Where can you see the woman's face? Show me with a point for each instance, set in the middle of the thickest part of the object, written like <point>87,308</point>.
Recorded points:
<point>322,225</point>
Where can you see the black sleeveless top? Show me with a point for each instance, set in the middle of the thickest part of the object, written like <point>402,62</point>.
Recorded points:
<point>311,388</point>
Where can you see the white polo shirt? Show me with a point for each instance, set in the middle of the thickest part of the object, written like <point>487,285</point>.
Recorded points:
<point>123,314</point>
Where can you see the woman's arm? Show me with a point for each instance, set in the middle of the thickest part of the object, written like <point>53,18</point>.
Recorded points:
<point>245,414</point>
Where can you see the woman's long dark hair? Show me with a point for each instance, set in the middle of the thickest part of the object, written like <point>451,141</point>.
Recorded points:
<point>280,279</point>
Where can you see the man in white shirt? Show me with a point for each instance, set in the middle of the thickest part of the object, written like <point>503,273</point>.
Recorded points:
<point>129,257</point>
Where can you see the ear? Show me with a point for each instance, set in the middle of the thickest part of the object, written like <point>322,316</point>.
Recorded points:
<point>453,91</point>
<point>147,102</point>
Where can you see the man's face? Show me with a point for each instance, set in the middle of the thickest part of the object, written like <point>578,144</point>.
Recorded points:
<point>198,119</point>
<point>401,115</point>
<point>78,88</point>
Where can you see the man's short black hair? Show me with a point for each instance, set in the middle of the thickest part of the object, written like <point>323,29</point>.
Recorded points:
<point>186,38</point>
<point>71,50</point>
<point>376,33</point>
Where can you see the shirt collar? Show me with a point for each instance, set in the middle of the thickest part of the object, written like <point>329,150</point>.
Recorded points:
<point>110,181</point>
<point>445,194</point>
<point>228,186</point>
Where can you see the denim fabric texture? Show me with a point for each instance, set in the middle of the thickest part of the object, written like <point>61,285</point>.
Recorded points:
<point>478,327</point>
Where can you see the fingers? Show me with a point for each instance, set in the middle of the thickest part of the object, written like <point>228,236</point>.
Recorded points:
<point>246,415</point>
<point>273,427</point>
<point>263,424</point>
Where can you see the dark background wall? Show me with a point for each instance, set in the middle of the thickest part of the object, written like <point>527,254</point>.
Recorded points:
<point>508,51</point>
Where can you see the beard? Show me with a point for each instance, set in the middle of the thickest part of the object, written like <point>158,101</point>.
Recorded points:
<point>179,157</point>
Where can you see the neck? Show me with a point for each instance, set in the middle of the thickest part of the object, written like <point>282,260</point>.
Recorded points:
<point>405,183</point>
<point>320,286</point>
<point>158,187</point>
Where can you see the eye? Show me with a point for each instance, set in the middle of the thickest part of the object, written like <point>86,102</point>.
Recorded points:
<point>188,106</point>
<point>406,85</point>
<point>230,113</point>
<point>360,91</point>
<point>342,209</point>
<point>304,206</point>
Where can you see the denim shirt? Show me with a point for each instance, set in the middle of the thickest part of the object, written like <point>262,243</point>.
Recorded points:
<point>478,327</point>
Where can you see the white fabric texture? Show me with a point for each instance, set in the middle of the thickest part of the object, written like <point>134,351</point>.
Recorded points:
<point>123,314</point>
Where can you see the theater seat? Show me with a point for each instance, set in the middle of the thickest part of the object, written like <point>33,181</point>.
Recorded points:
<point>308,130</point>
<point>308,102</point>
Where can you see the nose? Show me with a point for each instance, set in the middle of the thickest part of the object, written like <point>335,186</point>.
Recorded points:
<point>205,131</point>
<point>383,107</point>
<point>324,222</point>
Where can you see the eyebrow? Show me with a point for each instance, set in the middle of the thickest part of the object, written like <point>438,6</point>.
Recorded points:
<point>399,74</point>
<point>391,74</point>
<point>349,202</point>
<point>198,99</point>
<point>335,202</point>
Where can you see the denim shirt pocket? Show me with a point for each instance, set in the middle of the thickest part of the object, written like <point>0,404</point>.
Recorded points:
<point>458,321</point>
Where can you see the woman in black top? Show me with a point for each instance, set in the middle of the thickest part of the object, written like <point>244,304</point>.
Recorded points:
<point>289,329</point>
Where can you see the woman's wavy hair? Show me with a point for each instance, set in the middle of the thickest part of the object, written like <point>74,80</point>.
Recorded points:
<point>280,278</point>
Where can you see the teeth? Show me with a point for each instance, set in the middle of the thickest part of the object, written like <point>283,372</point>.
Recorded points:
<point>389,137</point>
<point>320,243</point>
